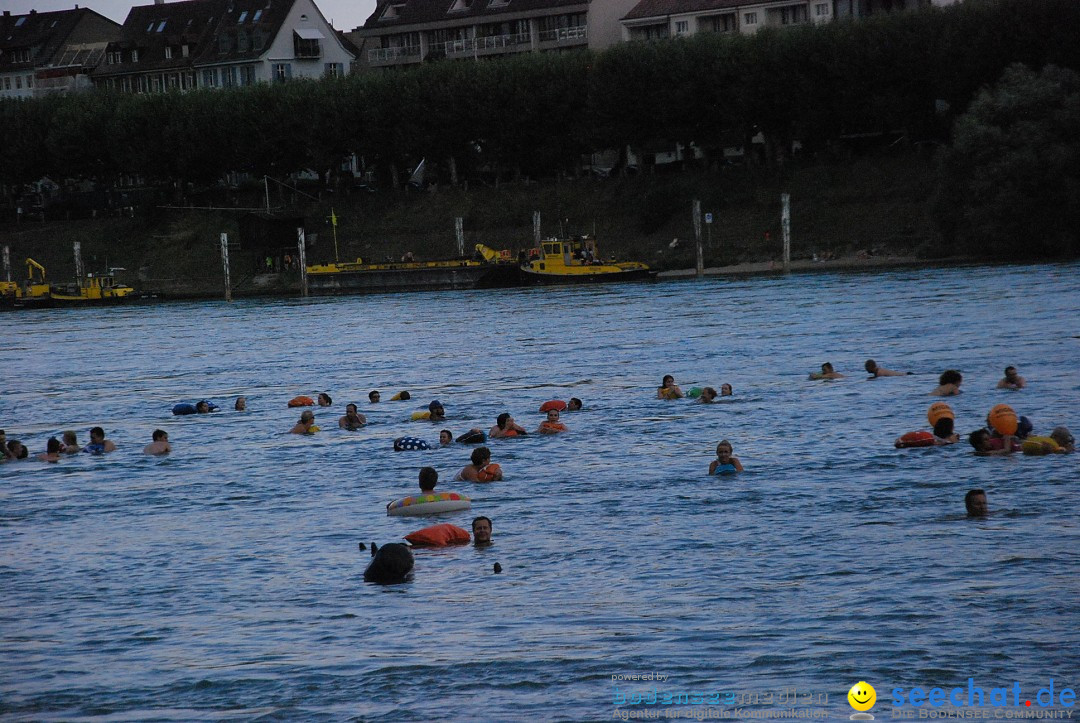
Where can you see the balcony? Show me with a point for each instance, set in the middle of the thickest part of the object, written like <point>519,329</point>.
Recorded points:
<point>389,56</point>
<point>566,36</point>
<point>489,45</point>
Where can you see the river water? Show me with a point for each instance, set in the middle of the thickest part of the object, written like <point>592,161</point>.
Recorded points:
<point>225,580</point>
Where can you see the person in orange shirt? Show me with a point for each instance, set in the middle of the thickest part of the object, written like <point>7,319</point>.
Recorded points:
<point>552,425</point>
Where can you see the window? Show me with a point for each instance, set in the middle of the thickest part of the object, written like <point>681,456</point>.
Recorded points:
<point>228,77</point>
<point>242,18</point>
<point>750,18</point>
<point>258,14</point>
<point>168,52</point>
<point>150,27</point>
<point>134,56</point>
<point>333,70</point>
<point>682,27</point>
<point>184,50</point>
<point>247,75</point>
<point>209,78</point>
<point>20,56</point>
<point>18,82</point>
<point>29,81</point>
<point>306,43</point>
<point>173,81</point>
<point>282,72</point>
<point>821,9</point>
<point>723,23</point>
<point>161,25</point>
<point>20,21</point>
<point>793,15</point>
<point>243,41</point>
<point>7,83</point>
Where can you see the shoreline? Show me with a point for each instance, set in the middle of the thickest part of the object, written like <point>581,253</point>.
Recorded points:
<point>844,263</point>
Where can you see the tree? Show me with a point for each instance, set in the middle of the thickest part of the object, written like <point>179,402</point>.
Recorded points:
<point>1010,185</point>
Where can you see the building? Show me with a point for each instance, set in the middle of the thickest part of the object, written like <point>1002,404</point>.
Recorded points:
<point>221,44</point>
<point>655,19</point>
<point>406,32</point>
<point>51,52</point>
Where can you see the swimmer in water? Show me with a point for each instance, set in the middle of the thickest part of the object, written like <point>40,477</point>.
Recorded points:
<point>1012,379</point>
<point>98,443</point>
<point>15,450</point>
<point>352,420</point>
<point>241,404</point>
<point>708,394</point>
<point>948,384</point>
<point>725,463</point>
<point>943,432</point>
<point>726,390</point>
<point>668,389</point>
<point>987,446</point>
<point>325,400</point>
<point>975,503</point>
<point>71,443</point>
<point>202,407</point>
<point>160,445</point>
<point>552,425</point>
<point>436,413</point>
<point>374,396</point>
<point>574,405</point>
<point>1064,439</point>
<point>481,469</point>
<point>827,372</point>
<point>876,371</point>
<point>306,425</point>
<point>429,477</point>
<point>481,531</point>
<point>52,451</point>
<point>505,426</point>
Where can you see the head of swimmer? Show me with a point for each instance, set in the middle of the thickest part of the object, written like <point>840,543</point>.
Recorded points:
<point>667,381</point>
<point>350,411</point>
<point>481,530</point>
<point>708,394</point>
<point>827,368</point>
<point>1010,373</point>
<point>203,407</point>
<point>950,376</point>
<point>943,428</point>
<point>870,366</point>
<point>976,504</point>
<point>307,417</point>
<point>573,405</point>
<point>325,400</point>
<point>429,477</point>
<point>373,396</point>
<point>446,437</point>
<point>553,415</point>
<point>480,456</point>
<point>724,451</point>
<point>503,420</point>
<point>980,440</point>
<point>241,404</point>
<point>97,435</point>
<point>726,390</point>
<point>160,435</point>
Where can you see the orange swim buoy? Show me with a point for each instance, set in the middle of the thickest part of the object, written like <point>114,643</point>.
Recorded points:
<point>1003,419</point>
<point>488,472</point>
<point>915,439</point>
<point>939,410</point>
<point>553,426</point>
<point>556,404</point>
<point>301,401</point>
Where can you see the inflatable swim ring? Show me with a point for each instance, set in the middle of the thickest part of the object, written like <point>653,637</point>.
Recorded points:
<point>313,429</point>
<point>694,392</point>
<point>417,416</point>
<point>670,393</point>
<point>400,396</point>
<point>552,427</point>
<point>428,504</point>
<point>94,448</point>
<point>184,408</point>
<point>488,472</point>
<point>301,401</point>
<point>915,439</point>
<point>556,404</point>
<point>410,444</point>
<point>939,410</point>
<point>725,469</point>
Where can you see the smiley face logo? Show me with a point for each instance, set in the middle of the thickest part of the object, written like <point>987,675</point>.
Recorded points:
<point>862,696</point>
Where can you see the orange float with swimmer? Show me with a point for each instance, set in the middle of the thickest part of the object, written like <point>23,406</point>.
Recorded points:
<point>915,439</point>
<point>301,401</point>
<point>488,473</point>
<point>939,410</point>
<point>1003,419</point>
<point>556,404</point>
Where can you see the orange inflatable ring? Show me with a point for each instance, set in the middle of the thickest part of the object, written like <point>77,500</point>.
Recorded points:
<point>301,401</point>
<point>1003,419</point>
<point>915,439</point>
<point>556,404</point>
<point>439,536</point>
<point>939,410</point>
<point>552,426</point>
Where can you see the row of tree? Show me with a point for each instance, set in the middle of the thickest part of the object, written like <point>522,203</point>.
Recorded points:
<point>536,114</point>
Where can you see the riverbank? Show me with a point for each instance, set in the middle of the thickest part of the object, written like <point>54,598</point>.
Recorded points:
<point>875,205</point>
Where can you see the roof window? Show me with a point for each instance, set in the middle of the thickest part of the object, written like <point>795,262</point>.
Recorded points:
<point>20,21</point>
<point>460,5</point>
<point>161,25</point>
<point>258,14</point>
<point>242,18</point>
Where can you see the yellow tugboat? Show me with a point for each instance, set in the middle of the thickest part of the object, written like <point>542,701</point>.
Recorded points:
<point>100,289</point>
<point>576,261</point>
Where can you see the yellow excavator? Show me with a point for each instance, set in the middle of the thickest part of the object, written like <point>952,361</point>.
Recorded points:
<point>30,290</point>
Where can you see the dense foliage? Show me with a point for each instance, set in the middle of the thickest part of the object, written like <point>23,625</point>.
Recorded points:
<point>536,114</point>
<point>1010,185</point>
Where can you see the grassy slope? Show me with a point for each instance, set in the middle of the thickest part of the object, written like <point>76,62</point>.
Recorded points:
<point>879,203</point>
